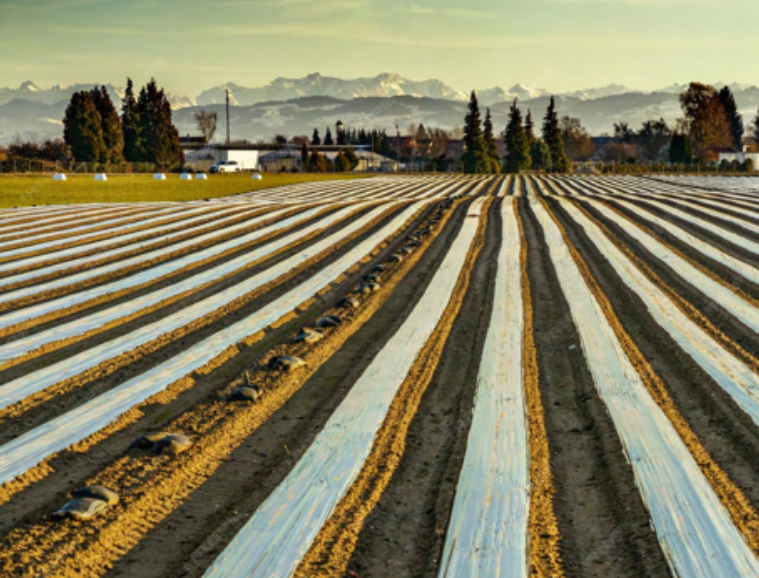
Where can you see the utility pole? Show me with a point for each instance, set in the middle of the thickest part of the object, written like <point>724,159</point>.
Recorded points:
<point>227,91</point>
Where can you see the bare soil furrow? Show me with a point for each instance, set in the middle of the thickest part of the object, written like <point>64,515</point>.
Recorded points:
<point>120,273</point>
<point>220,427</point>
<point>602,520</point>
<point>31,280</point>
<point>55,351</point>
<point>404,534</point>
<point>169,225</point>
<point>64,395</point>
<point>111,298</point>
<point>607,287</point>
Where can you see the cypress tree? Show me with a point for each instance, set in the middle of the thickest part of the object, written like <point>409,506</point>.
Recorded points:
<point>474,158</point>
<point>734,118</point>
<point>328,141</point>
<point>517,146</point>
<point>687,150</point>
<point>541,156</point>
<point>552,137</point>
<point>529,128</point>
<point>111,125</point>
<point>351,157</point>
<point>304,155</point>
<point>130,126</point>
<point>677,149</point>
<point>82,128</point>
<point>342,165</point>
<point>491,146</point>
<point>158,135</point>
<point>316,140</point>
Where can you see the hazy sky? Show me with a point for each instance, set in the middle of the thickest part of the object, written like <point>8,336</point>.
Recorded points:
<point>190,45</point>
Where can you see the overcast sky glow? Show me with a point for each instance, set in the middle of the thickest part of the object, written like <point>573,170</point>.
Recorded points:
<point>190,45</point>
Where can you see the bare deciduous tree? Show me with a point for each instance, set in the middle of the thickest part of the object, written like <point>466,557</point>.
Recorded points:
<point>207,124</point>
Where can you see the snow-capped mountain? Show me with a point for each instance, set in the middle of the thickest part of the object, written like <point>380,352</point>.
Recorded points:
<point>296,106</point>
<point>601,92</point>
<point>523,92</point>
<point>60,92</point>
<point>383,85</point>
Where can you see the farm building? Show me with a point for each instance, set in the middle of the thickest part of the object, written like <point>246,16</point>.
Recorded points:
<point>740,157</point>
<point>200,156</point>
<point>289,157</point>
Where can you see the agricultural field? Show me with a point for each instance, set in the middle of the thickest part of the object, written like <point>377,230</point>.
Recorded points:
<point>462,376</point>
<point>31,190</point>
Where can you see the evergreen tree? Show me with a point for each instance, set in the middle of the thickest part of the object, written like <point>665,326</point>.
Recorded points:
<point>328,141</point>
<point>474,159</point>
<point>541,156</point>
<point>688,151</point>
<point>734,118</point>
<point>316,140</point>
<point>342,165</point>
<point>351,157</point>
<point>680,149</point>
<point>82,128</point>
<point>111,126</point>
<point>130,124</point>
<point>316,163</point>
<point>552,137</point>
<point>517,146</point>
<point>158,135</point>
<point>677,149</point>
<point>304,155</point>
<point>529,128</point>
<point>491,146</point>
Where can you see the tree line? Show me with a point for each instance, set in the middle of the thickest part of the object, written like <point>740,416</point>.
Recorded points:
<point>143,133</point>
<point>524,151</point>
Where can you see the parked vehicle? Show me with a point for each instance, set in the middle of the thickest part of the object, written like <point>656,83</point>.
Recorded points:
<point>225,167</point>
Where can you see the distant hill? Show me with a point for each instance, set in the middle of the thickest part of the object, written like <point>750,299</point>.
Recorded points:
<point>296,106</point>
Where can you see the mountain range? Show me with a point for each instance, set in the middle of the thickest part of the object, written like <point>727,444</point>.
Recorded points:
<point>297,105</point>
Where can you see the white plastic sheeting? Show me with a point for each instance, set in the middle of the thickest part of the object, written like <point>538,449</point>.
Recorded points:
<point>730,373</point>
<point>31,448</point>
<point>173,230</point>
<point>159,177</point>
<point>696,243</point>
<point>39,227</point>
<point>701,246</point>
<point>151,274</point>
<point>115,266</point>
<point>734,184</point>
<point>278,535</point>
<point>59,240</point>
<point>201,177</point>
<point>101,177</point>
<point>695,531</point>
<point>87,323</point>
<point>53,214</point>
<point>702,282</point>
<point>30,383</point>
<point>56,238</point>
<point>59,177</point>
<point>185,177</point>
<point>652,196</point>
<point>487,533</point>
